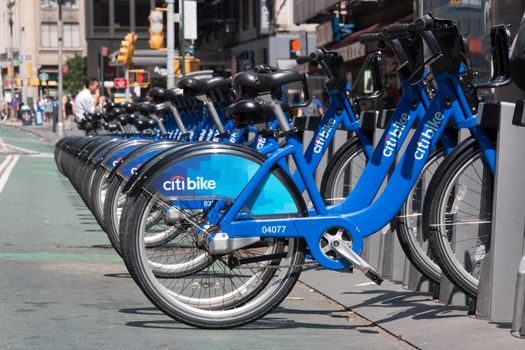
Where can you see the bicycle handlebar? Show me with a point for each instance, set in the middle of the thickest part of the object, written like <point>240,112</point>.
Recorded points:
<point>302,59</point>
<point>313,57</point>
<point>370,38</point>
<point>397,29</point>
<point>424,23</point>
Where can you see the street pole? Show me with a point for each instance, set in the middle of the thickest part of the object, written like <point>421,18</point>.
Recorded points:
<point>10,5</point>
<point>181,38</point>
<point>23,66</point>
<point>128,92</point>
<point>101,72</point>
<point>170,44</point>
<point>60,123</point>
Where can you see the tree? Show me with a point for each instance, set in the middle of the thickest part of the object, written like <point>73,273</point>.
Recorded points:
<point>75,74</point>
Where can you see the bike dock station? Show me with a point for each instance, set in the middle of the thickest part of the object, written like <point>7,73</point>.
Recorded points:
<point>502,283</point>
<point>219,200</point>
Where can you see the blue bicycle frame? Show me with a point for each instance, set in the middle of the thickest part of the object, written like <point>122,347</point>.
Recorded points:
<point>449,102</point>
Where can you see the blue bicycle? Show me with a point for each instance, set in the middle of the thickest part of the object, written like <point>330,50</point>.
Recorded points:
<point>244,213</point>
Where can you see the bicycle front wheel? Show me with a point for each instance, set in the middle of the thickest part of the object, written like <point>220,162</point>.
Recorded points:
<point>409,228</point>
<point>195,287</point>
<point>343,172</point>
<point>460,217</point>
<point>165,243</point>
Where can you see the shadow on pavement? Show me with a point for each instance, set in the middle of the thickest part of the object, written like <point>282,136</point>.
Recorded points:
<point>408,305</point>
<point>269,322</point>
<point>117,275</point>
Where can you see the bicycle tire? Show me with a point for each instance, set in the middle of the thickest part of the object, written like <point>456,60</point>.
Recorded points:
<point>331,175</point>
<point>441,231</point>
<point>420,257</point>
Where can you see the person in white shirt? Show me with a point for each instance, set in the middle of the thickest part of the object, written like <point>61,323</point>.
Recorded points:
<point>87,100</point>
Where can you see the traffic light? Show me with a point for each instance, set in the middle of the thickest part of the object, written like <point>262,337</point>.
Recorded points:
<point>127,46</point>
<point>295,48</point>
<point>193,64</point>
<point>139,77</point>
<point>156,26</point>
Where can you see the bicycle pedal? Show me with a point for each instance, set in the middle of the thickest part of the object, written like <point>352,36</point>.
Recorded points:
<point>373,275</point>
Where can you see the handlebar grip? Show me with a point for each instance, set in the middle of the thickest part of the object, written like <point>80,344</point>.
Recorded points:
<point>424,23</point>
<point>395,30</point>
<point>302,59</point>
<point>370,38</point>
<point>316,56</point>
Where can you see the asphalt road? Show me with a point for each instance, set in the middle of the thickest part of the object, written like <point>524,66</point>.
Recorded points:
<point>62,286</point>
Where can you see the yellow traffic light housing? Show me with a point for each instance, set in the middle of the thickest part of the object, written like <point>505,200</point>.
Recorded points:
<point>192,64</point>
<point>127,47</point>
<point>156,27</point>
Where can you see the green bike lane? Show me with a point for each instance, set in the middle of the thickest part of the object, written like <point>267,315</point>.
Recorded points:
<point>18,138</point>
<point>63,287</point>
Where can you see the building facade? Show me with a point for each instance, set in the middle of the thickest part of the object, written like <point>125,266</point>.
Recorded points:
<point>242,34</point>
<point>34,43</point>
<point>107,22</point>
<point>340,25</point>
<point>473,17</point>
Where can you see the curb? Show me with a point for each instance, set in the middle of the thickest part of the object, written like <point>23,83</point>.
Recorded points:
<point>40,136</point>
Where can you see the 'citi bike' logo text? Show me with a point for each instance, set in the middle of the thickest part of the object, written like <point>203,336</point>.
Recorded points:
<point>115,162</point>
<point>394,134</point>
<point>180,183</point>
<point>427,136</point>
<point>134,170</point>
<point>261,141</point>
<point>323,134</point>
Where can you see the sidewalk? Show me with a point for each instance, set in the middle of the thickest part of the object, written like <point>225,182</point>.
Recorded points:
<point>44,132</point>
<point>412,316</point>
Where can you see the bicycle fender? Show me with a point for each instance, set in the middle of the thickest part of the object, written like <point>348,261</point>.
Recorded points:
<point>221,171</point>
<point>141,173</point>
<point>137,157</point>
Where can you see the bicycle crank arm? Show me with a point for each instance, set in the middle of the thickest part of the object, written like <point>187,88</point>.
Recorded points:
<point>346,252</point>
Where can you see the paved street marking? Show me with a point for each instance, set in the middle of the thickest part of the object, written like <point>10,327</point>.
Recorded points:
<point>42,155</point>
<point>7,172</point>
<point>5,162</point>
<point>21,149</point>
<point>59,257</point>
<point>3,146</point>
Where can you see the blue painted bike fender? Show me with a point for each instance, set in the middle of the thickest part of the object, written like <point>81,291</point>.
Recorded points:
<point>220,171</point>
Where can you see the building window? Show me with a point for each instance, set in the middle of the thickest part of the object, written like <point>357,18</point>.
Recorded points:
<point>255,13</point>
<point>142,8</point>
<point>50,35</point>
<point>122,13</point>
<point>101,13</point>
<point>245,15</point>
<point>71,35</point>
<point>52,4</point>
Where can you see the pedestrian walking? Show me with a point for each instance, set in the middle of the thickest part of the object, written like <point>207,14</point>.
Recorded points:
<point>48,110</point>
<point>14,109</point>
<point>68,109</point>
<point>56,106</point>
